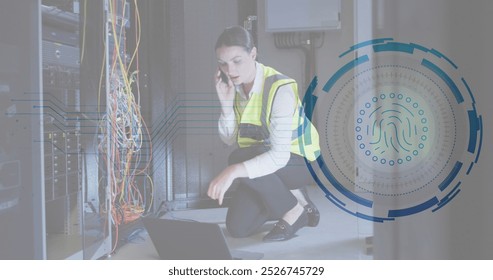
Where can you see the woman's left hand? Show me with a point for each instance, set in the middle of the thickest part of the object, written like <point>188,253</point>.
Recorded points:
<point>223,181</point>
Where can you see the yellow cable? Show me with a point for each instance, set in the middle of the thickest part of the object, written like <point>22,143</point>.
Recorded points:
<point>113,25</point>
<point>139,30</point>
<point>83,32</point>
<point>101,78</point>
<point>152,191</point>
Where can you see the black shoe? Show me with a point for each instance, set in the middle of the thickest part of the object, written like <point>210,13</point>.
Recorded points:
<point>311,210</point>
<point>283,231</point>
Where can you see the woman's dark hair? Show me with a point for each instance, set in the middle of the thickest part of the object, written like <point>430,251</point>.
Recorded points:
<point>235,36</point>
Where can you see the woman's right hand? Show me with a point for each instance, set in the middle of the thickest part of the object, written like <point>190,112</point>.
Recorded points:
<point>225,93</point>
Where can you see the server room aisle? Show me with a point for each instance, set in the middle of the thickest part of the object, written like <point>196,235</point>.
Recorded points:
<point>338,236</point>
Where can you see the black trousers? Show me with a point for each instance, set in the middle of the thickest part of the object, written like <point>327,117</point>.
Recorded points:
<point>258,200</point>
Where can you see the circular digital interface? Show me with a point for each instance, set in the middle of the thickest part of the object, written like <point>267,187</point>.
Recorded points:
<point>398,130</point>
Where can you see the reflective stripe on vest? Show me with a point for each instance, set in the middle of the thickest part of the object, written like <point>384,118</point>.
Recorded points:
<point>253,128</point>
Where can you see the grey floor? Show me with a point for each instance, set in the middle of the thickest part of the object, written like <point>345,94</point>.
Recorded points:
<point>338,236</point>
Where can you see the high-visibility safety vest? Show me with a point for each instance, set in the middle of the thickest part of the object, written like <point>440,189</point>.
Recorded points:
<point>253,119</point>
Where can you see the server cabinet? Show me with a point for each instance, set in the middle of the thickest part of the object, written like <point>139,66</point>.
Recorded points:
<point>77,218</point>
<point>22,234</point>
<point>52,194</point>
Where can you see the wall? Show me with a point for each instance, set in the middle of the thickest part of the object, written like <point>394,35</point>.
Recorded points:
<point>291,62</point>
<point>471,223</point>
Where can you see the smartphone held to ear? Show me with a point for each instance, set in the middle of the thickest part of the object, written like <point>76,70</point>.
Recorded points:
<point>224,77</point>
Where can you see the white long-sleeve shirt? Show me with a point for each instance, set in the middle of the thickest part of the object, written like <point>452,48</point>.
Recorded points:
<point>281,118</point>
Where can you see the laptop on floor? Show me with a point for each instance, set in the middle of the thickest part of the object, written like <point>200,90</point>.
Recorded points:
<point>189,240</point>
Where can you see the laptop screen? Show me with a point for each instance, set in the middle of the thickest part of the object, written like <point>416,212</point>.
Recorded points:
<point>187,240</point>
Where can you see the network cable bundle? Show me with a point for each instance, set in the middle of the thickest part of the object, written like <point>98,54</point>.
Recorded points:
<point>125,145</point>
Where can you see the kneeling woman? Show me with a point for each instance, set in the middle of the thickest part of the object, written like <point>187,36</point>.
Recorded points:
<point>262,113</point>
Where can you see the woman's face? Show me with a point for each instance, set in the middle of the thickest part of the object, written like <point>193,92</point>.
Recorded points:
<point>237,63</point>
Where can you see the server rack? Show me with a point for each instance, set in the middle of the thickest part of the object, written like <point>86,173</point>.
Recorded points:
<point>77,219</point>
<point>21,177</point>
<point>53,199</point>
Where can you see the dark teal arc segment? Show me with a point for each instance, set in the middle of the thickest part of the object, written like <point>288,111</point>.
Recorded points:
<point>364,44</point>
<point>310,99</point>
<point>448,197</point>
<point>441,55</point>
<point>340,187</point>
<point>446,201</point>
<point>469,91</point>
<point>415,209</point>
<point>344,69</point>
<point>394,47</point>
<point>451,176</point>
<point>473,130</point>
<point>453,87</point>
<point>341,205</point>
<point>373,218</point>
<point>480,138</point>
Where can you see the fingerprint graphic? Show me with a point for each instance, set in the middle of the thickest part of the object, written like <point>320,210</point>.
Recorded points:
<point>392,129</point>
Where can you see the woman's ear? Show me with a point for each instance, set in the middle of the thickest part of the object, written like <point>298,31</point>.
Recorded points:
<point>253,53</point>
